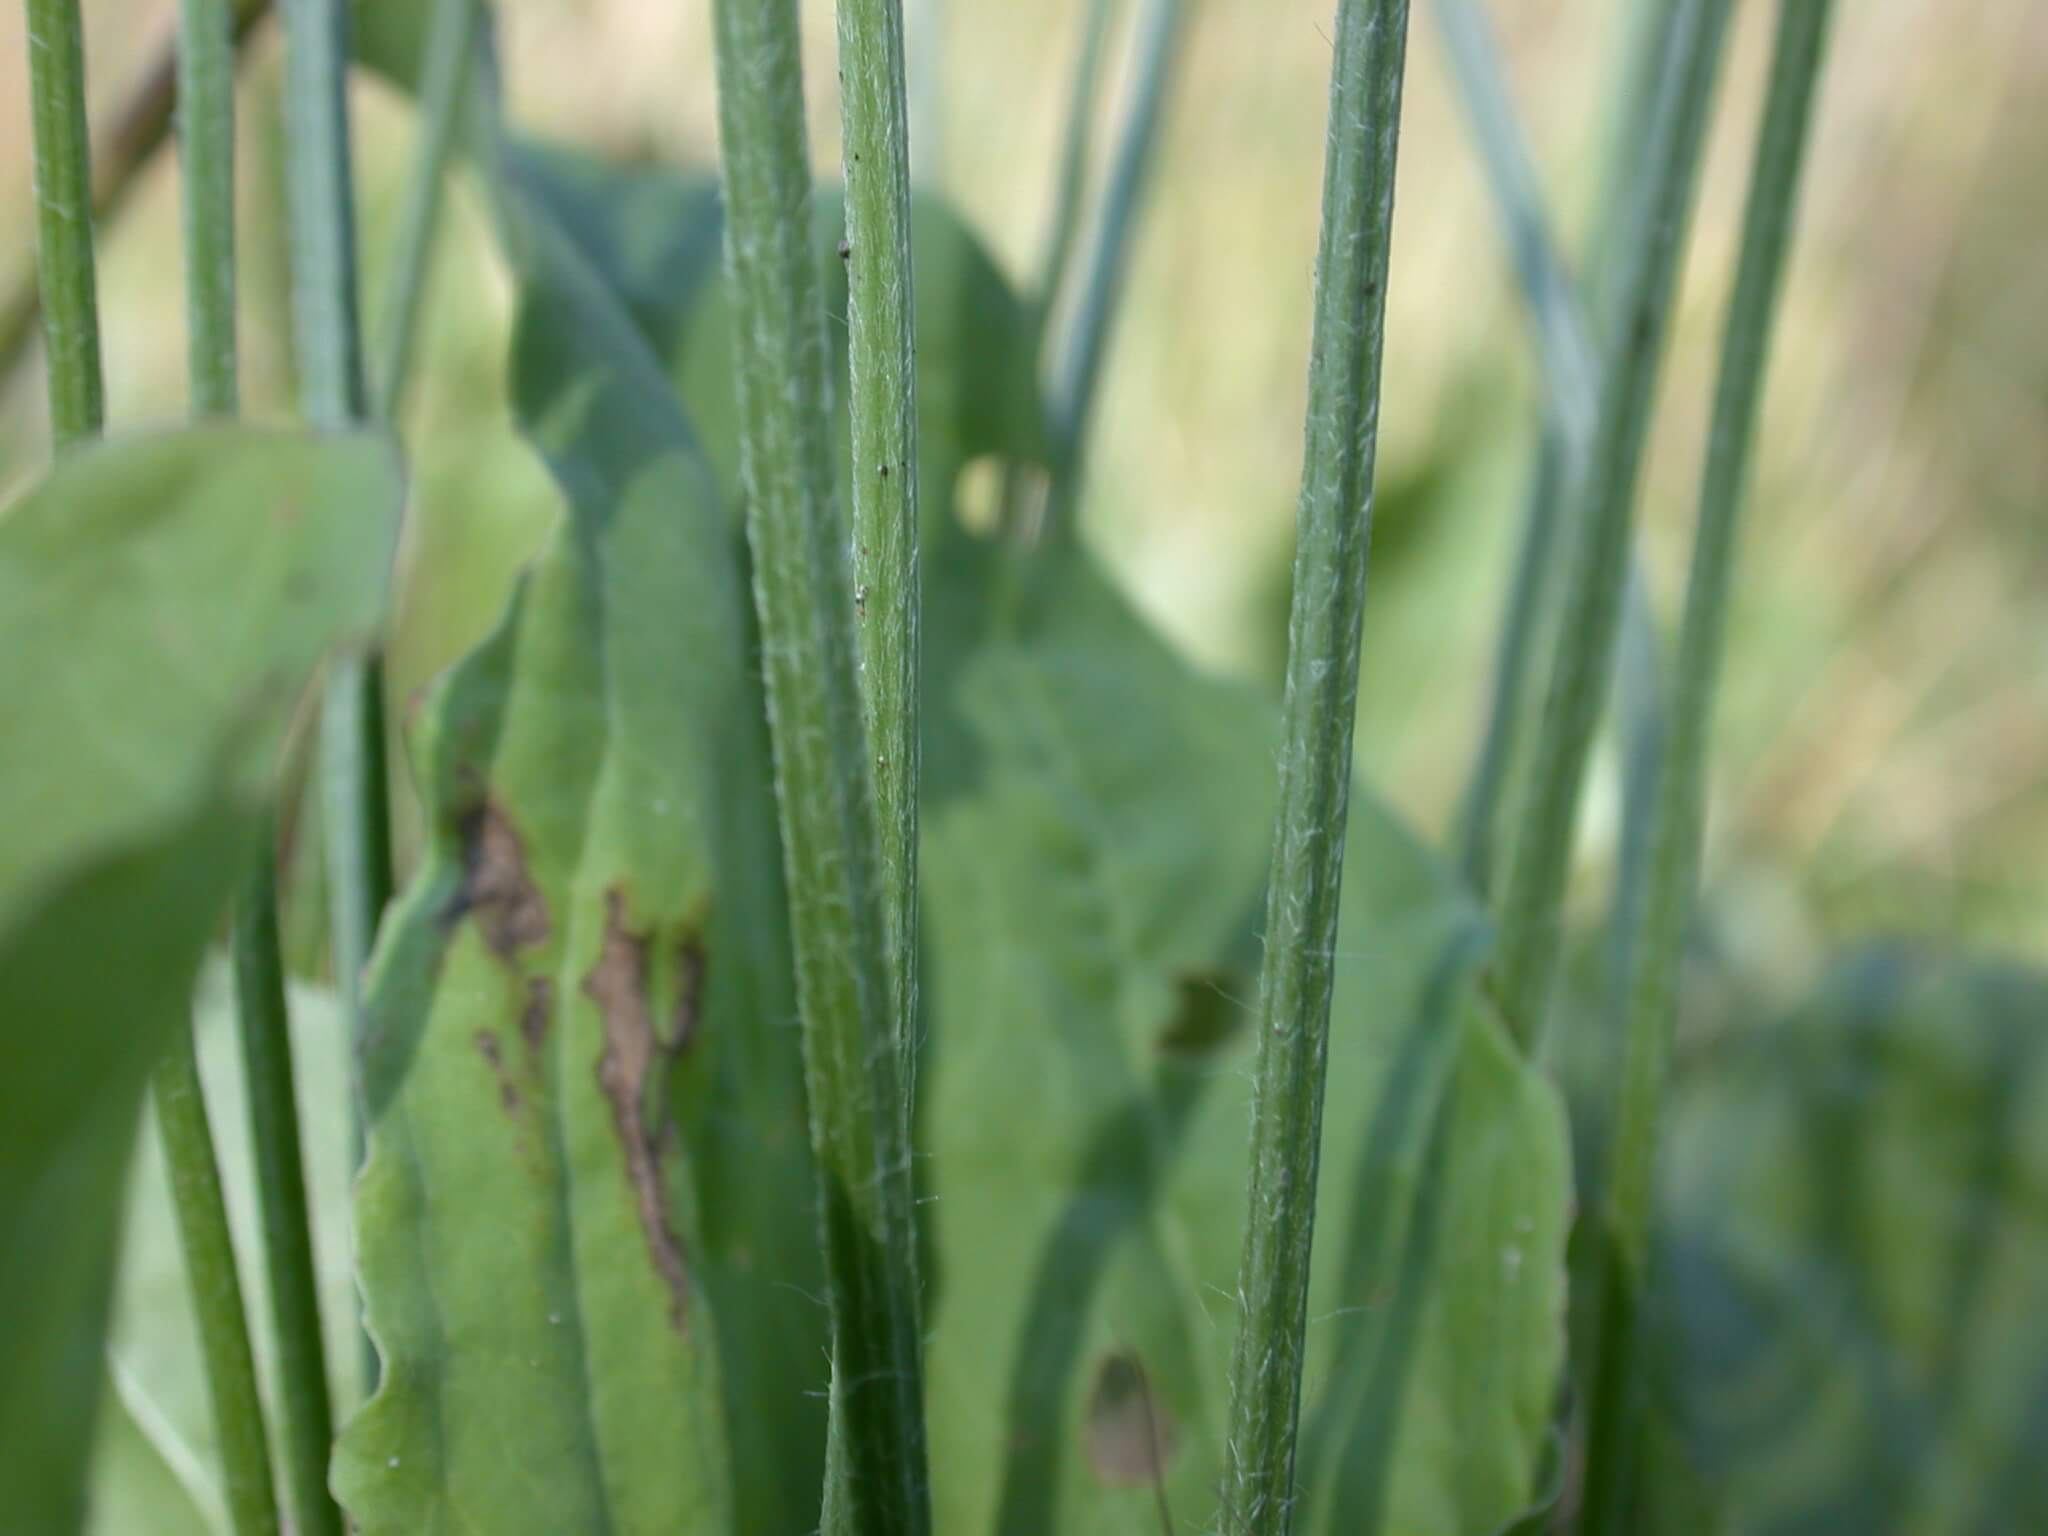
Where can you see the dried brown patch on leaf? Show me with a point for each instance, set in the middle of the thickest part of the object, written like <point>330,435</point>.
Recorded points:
<point>508,1090</point>
<point>497,889</point>
<point>632,1069</point>
<point>535,1016</point>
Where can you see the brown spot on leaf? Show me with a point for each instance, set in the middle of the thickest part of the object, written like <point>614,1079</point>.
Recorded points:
<point>508,1090</point>
<point>497,890</point>
<point>539,1009</point>
<point>1128,1435</point>
<point>636,1057</point>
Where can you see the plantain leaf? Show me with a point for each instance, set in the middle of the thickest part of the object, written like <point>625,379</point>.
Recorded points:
<point>1093,869</point>
<point>1855,1250</point>
<point>162,605</point>
<point>588,1166</point>
<point>656,237</point>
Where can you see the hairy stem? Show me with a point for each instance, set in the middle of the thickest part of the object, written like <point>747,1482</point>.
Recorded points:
<point>882,364</point>
<point>1333,537</point>
<point>840,907</point>
<point>1673,868</point>
<point>64,219</point>
<point>1596,574</point>
<point>452,42</point>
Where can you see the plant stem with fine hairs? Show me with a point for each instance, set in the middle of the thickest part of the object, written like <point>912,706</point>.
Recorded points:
<point>1332,543</point>
<point>840,910</point>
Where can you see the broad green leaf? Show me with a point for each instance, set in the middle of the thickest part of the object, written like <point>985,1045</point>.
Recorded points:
<point>162,605</point>
<point>588,1179</point>
<point>1855,1252</point>
<point>157,1431</point>
<point>656,238</point>
<point>1093,872</point>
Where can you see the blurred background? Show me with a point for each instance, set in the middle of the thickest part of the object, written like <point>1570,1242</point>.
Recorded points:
<point>1882,763</point>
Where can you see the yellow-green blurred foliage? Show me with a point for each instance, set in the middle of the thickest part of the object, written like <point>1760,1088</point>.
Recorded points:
<point>1883,756</point>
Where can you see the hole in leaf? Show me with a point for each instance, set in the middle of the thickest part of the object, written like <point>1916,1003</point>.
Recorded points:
<point>1208,1011</point>
<point>1128,1435</point>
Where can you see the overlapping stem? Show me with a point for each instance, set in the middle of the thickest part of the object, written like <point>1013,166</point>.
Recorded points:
<point>1333,536</point>
<point>1679,816</point>
<point>307,1427</point>
<point>206,133</point>
<point>354,795</point>
<point>826,767</point>
<point>1596,574</point>
<point>453,37</point>
<point>1100,279</point>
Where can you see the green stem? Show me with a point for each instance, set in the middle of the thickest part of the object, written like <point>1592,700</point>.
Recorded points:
<point>1681,797</point>
<point>64,219</point>
<point>127,143</point>
<point>444,88</point>
<point>322,210</point>
<point>308,1415</point>
<point>1596,574</point>
<point>206,163</point>
<point>839,909</point>
<point>1075,147</point>
<point>206,90</point>
<point>882,365</point>
<point>1514,660</point>
<point>1565,347</point>
<point>1571,370</point>
<point>355,802</point>
<point>356,817</point>
<point>319,191</point>
<point>209,1254</point>
<point>1101,278</point>
<point>1333,536</point>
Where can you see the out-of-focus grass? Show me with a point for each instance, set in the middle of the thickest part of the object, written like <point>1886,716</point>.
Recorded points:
<point>1883,761</point>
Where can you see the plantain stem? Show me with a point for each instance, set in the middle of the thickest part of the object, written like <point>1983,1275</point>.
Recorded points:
<point>1333,538</point>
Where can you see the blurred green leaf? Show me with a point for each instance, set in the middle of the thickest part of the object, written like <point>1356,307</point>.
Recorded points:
<point>1093,876</point>
<point>1855,1252</point>
<point>162,604</point>
<point>145,1480</point>
<point>587,1150</point>
<point>161,1428</point>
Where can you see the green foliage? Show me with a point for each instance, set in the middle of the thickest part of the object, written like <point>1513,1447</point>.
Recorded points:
<point>1854,1251</point>
<point>584,930</point>
<point>1092,967</point>
<point>157,1449</point>
<point>155,709</point>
